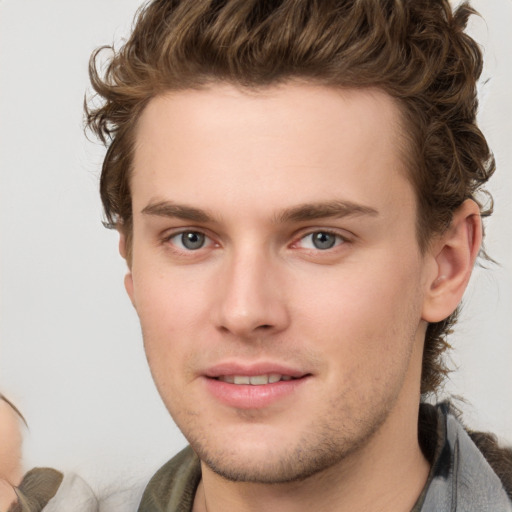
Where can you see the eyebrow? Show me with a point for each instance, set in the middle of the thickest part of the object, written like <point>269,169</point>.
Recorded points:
<point>180,211</point>
<point>330,209</point>
<point>300,213</point>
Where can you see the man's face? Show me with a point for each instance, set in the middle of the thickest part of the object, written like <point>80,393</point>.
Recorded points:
<point>276,273</point>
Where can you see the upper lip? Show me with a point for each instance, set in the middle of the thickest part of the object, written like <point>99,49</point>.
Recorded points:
<point>251,370</point>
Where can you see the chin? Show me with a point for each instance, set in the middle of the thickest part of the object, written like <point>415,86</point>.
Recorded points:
<point>284,470</point>
<point>279,463</point>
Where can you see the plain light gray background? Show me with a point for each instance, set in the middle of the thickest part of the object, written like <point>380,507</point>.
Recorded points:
<point>71,354</point>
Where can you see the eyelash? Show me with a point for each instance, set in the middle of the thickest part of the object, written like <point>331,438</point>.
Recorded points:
<point>338,239</point>
<point>168,239</point>
<point>208,241</point>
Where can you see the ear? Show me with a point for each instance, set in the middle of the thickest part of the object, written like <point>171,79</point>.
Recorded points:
<point>455,253</point>
<point>128,278</point>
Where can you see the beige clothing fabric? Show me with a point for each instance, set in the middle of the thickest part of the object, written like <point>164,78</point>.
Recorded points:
<point>49,490</point>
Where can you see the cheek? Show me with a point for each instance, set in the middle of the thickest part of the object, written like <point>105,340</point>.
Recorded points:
<point>171,313</point>
<point>372,309</point>
<point>168,302</point>
<point>365,328</point>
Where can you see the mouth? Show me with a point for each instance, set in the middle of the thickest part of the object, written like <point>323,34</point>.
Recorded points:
<point>255,387</point>
<point>255,380</point>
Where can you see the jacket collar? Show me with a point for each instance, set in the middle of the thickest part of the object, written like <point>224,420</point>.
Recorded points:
<point>460,477</point>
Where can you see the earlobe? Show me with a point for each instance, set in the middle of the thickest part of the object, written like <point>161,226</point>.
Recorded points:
<point>455,253</point>
<point>128,285</point>
<point>128,279</point>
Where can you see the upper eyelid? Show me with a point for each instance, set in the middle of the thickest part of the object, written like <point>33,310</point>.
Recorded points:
<point>210,241</point>
<point>342,233</point>
<point>324,231</point>
<point>172,232</point>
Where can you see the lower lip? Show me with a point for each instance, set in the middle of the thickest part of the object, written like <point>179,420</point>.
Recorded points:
<point>247,396</point>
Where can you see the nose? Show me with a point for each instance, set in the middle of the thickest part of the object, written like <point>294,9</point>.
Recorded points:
<point>251,297</point>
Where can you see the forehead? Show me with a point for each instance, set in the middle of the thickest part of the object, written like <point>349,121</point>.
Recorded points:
<point>289,143</point>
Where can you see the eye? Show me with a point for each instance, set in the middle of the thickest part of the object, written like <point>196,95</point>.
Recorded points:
<point>321,240</point>
<point>189,240</point>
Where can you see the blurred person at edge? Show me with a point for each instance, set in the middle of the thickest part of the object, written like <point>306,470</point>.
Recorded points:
<point>10,452</point>
<point>40,488</point>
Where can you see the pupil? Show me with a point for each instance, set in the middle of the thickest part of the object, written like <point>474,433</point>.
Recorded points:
<point>192,240</point>
<point>323,240</point>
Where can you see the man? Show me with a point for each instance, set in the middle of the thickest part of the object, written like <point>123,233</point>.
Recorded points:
<point>296,187</point>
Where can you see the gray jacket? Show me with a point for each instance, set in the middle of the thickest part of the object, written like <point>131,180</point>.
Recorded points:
<point>460,478</point>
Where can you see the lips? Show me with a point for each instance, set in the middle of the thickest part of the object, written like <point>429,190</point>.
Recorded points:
<point>241,369</point>
<point>254,380</point>
<point>253,386</point>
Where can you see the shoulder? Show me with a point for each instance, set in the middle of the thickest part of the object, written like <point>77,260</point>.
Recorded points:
<point>498,457</point>
<point>52,491</point>
<point>469,470</point>
<point>174,485</point>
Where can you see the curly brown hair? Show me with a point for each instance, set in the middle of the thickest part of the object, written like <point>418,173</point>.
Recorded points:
<point>414,50</point>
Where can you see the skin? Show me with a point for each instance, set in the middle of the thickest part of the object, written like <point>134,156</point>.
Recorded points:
<point>10,454</point>
<point>351,317</point>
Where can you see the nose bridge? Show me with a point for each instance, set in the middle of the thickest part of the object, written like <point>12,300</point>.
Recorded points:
<point>251,300</point>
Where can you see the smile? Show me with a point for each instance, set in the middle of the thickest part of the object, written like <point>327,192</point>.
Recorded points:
<point>257,390</point>
<point>254,380</point>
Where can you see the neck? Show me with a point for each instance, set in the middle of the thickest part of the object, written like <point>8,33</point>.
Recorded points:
<point>387,474</point>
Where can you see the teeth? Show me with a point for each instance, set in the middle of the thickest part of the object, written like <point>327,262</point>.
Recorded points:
<point>258,380</point>
<point>255,380</point>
